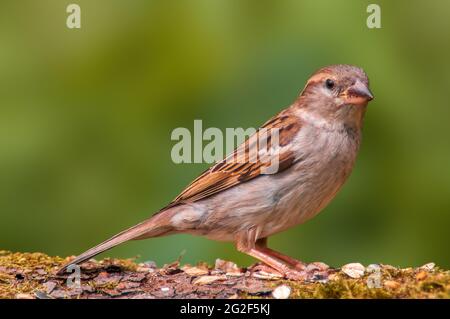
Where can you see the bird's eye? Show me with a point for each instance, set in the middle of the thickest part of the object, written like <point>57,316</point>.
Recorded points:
<point>329,83</point>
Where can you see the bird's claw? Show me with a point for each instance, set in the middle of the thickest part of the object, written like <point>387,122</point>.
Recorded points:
<point>301,272</point>
<point>309,272</point>
<point>296,275</point>
<point>263,268</point>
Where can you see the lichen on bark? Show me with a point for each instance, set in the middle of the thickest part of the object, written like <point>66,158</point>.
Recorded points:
<point>32,275</point>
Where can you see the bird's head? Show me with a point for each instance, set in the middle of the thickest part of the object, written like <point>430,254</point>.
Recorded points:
<point>337,93</point>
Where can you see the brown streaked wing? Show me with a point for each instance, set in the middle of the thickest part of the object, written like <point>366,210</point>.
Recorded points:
<point>236,168</point>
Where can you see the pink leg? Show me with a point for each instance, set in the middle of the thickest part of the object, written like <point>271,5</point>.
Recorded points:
<point>246,244</point>
<point>297,264</point>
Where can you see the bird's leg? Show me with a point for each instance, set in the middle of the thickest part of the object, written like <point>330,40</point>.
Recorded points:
<point>246,243</point>
<point>297,264</point>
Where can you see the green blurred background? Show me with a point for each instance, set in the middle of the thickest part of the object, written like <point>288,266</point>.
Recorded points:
<point>86,117</point>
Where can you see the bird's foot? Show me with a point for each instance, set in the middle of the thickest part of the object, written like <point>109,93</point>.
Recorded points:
<point>306,272</point>
<point>297,275</point>
<point>316,266</point>
<point>300,266</point>
<point>261,269</point>
<point>316,271</point>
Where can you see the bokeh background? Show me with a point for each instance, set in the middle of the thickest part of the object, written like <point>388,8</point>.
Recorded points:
<point>86,117</point>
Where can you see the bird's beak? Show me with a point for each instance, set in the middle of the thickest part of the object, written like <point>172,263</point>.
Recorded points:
<point>358,93</point>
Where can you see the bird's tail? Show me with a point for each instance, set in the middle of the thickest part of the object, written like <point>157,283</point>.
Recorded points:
<point>155,226</point>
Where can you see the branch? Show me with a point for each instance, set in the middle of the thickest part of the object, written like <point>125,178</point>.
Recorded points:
<point>32,275</point>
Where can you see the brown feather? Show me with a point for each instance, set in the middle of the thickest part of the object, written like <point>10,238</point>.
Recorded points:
<point>237,168</point>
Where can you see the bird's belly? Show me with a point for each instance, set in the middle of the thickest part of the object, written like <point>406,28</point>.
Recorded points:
<point>274,203</point>
<point>301,203</point>
<point>271,205</point>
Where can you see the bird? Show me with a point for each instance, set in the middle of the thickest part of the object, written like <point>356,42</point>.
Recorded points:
<point>308,152</point>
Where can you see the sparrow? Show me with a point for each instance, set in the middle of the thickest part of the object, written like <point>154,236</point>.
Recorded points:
<point>246,198</point>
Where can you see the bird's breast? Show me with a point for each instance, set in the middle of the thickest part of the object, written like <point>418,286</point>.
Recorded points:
<point>324,160</point>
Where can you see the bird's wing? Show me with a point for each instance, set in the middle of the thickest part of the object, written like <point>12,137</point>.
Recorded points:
<point>268,151</point>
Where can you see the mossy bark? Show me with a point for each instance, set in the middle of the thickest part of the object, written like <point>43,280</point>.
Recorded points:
<point>32,275</point>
